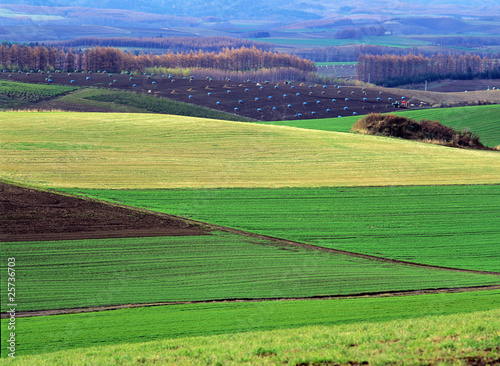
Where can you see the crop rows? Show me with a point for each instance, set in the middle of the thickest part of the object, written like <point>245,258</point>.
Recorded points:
<point>32,93</point>
<point>453,226</point>
<point>82,273</point>
<point>60,332</point>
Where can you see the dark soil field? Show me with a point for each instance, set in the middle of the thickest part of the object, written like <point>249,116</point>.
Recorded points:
<point>32,215</point>
<point>259,101</point>
<point>454,86</point>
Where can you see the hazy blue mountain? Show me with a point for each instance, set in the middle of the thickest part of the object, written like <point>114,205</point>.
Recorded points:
<point>222,9</point>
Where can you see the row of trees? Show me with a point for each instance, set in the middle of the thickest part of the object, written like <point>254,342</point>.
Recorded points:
<point>376,68</point>
<point>173,44</point>
<point>465,41</point>
<point>24,57</point>
<point>350,53</point>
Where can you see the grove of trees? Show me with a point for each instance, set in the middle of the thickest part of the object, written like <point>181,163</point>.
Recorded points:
<point>39,57</point>
<point>381,69</point>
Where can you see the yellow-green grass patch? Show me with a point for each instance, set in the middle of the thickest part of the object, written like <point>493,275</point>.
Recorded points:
<point>459,339</point>
<point>161,151</point>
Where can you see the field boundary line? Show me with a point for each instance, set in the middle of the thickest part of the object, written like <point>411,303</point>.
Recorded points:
<point>35,313</point>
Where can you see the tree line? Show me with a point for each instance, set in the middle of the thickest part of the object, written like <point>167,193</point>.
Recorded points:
<point>173,44</point>
<point>15,57</point>
<point>351,53</point>
<point>465,41</point>
<point>381,68</point>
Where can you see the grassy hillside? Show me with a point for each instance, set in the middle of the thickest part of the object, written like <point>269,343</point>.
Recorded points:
<point>16,95</point>
<point>53,333</point>
<point>458,339</point>
<point>419,224</point>
<point>119,101</point>
<point>483,120</point>
<point>92,150</point>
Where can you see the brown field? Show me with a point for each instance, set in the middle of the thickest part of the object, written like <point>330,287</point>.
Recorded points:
<point>276,101</point>
<point>460,86</point>
<point>32,215</point>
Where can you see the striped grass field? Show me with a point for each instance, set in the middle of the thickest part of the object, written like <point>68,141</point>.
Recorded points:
<point>458,339</point>
<point>453,226</point>
<point>97,150</point>
<point>85,273</point>
<point>353,321</point>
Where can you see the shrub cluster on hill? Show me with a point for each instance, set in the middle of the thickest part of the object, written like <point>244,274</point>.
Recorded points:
<point>392,125</point>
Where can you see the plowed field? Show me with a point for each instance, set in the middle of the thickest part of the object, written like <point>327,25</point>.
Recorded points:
<point>36,215</point>
<point>265,102</point>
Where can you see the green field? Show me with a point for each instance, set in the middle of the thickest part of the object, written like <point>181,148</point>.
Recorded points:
<point>194,268</point>
<point>380,196</point>
<point>389,41</point>
<point>82,98</point>
<point>455,338</point>
<point>482,120</point>
<point>13,94</point>
<point>52,333</point>
<point>160,151</point>
<point>421,224</point>
<point>219,266</point>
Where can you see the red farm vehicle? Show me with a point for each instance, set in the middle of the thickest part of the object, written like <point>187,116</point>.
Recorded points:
<point>402,104</point>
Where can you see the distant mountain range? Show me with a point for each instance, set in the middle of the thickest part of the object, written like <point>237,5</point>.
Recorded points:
<point>276,10</point>
<point>220,10</point>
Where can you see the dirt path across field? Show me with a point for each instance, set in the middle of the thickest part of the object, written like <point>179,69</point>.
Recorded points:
<point>27,314</point>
